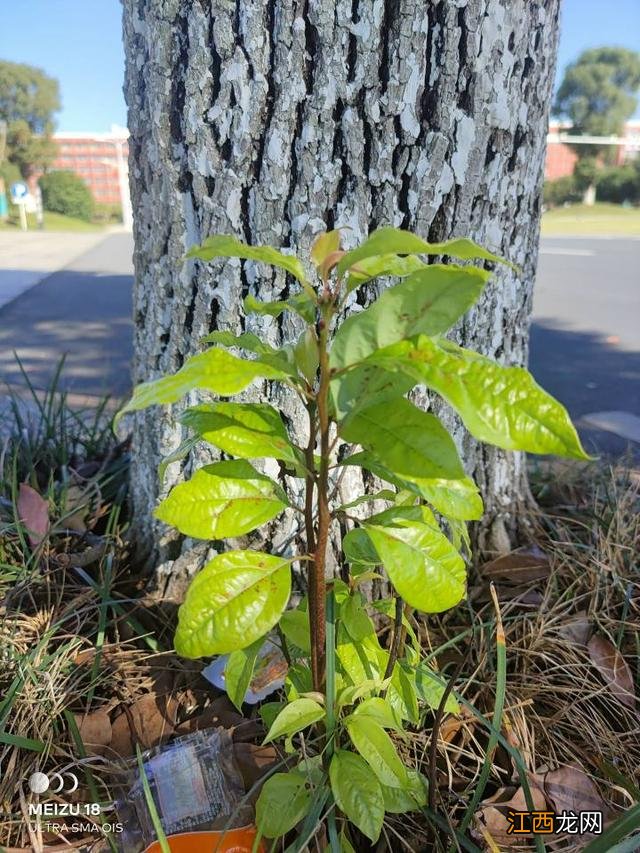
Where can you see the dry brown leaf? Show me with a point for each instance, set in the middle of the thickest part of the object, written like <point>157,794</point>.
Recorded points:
<point>219,713</point>
<point>33,512</point>
<point>493,812</point>
<point>154,720</point>
<point>254,761</point>
<point>576,629</point>
<point>613,668</point>
<point>95,730</point>
<point>570,789</point>
<point>523,565</point>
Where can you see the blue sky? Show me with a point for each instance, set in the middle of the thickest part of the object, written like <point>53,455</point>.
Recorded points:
<point>79,42</point>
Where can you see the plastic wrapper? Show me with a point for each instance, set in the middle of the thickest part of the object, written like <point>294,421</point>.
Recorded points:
<point>195,784</point>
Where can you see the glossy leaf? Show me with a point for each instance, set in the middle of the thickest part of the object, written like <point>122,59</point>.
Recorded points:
<point>357,792</point>
<point>422,564</point>
<point>245,430</point>
<point>402,800</point>
<point>300,303</point>
<point>181,452</point>
<point>295,717</point>
<point>239,671</point>
<point>354,617</point>
<point>224,246</point>
<point>402,694</point>
<point>427,302</point>
<point>221,500</point>
<point>380,710</point>
<point>237,598</point>
<point>358,548</point>
<point>307,355</point>
<point>283,802</point>
<point>364,385</point>
<point>214,370</point>
<point>294,624</point>
<point>457,499</point>
<point>280,359</point>
<point>382,265</point>
<point>377,749</point>
<point>500,405</point>
<point>362,660</point>
<point>405,440</point>
<point>431,687</point>
<point>397,241</point>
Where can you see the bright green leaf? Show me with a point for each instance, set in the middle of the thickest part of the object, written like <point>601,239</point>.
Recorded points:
<point>181,452</point>
<point>354,617</point>
<point>358,548</point>
<point>245,430</point>
<point>405,440</point>
<point>307,354</point>
<point>382,265</point>
<point>214,370</point>
<point>431,688</point>
<point>283,802</point>
<point>377,749</point>
<point>237,598</point>
<point>402,694</point>
<point>281,359</point>
<point>360,661</point>
<point>294,717</point>
<point>397,241</point>
<point>427,302</point>
<point>422,564</point>
<point>221,500</point>
<point>239,671</point>
<point>294,624</point>
<point>357,792</point>
<point>300,304</point>
<point>402,800</point>
<point>381,711</point>
<point>365,385</point>
<point>500,405</point>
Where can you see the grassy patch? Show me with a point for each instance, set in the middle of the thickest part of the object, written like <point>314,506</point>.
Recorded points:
<point>52,222</point>
<point>600,220</point>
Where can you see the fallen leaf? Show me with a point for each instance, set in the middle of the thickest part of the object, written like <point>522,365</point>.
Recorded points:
<point>33,512</point>
<point>154,721</point>
<point>494,810</point>
<point>254,761</point>
<point>576,630</point>
<point>613,668</point>
<point>520,566</point>
<point>95,730</point>
<point>219,713</point>
<point>570,789</point>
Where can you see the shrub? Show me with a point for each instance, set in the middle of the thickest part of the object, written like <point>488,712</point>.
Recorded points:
<point>64,192</point>
<point>561,191</point>
<point>620,184</point>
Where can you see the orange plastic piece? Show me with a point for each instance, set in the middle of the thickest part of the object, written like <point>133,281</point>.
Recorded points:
<point>232,841</point>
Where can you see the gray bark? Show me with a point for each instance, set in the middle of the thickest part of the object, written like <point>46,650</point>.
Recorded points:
<point>273,120</point>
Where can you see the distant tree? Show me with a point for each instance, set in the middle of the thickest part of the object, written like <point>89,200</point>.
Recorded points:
<point>598,94</point>
<point>28,100</point>
<point>64,192</point>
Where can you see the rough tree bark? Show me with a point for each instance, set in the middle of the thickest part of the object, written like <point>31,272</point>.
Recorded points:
<point>271,120</point>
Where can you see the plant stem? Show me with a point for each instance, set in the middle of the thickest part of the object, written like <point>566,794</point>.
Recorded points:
<point>396,642</point>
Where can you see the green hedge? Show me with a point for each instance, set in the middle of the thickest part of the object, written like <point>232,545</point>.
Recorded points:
<point>64,192</point>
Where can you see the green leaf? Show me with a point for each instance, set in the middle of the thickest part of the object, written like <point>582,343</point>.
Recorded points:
<point>458,499</point>
<point>397,241</point>
<point>239,671</point>
<point>281,359</point>
<point>324,245</point>
<point>365,385</point>
<point>358,548</point>
<point>357,792</point>
<point>427,302</point>
<point>283,802</point>
<point>222,500</point>
<point>300,304</point>
<point>294,624</point>
<point>237,598</point>
<point>181,452</point>
<point>297,715</point>
<point>224,246</point>
<point>307,354</point>
<point>214,370</point>
<point>402,694</point>
<point>354,617</point>
<point>382,265</point>
<point>500,405</point>
<point>377,749</point>
<point>431,688</point>
<point>405,440</point>
<point>360,661</point>
<point>422,564</point>
<point>245,430</point>
<point>269,711</point>
<point>380,710</point>
<point>402,800</point>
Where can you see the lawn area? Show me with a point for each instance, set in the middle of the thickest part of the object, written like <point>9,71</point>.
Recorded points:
<point>602,219</point>
<point>52,222</point>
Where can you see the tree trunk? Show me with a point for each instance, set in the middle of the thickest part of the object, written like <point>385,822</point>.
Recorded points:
<point>273,120</point>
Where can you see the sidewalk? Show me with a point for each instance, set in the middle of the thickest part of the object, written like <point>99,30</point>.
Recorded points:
<point>28,257</point>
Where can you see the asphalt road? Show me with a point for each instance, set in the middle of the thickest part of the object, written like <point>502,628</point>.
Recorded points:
<point>585,337</point>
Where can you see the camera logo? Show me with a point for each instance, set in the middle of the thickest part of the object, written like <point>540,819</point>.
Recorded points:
<point>40,783</point>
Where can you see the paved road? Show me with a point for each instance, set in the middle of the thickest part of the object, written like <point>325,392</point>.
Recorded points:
<point>585,340</point>
<point>83,310</point>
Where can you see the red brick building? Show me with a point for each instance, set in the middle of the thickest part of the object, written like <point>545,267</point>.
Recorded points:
<point>561,157</point>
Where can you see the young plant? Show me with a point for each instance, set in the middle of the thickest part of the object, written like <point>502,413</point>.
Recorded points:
<point>344,688</point>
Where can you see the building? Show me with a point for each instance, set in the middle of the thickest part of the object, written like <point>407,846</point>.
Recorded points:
<point>561,156</point>
<point>101,160</point>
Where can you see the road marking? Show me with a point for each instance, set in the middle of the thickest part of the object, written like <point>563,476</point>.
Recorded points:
<point>581,252</point>
<point>624,424</point>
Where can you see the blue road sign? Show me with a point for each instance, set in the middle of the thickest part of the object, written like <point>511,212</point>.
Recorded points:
<point>19,191</point>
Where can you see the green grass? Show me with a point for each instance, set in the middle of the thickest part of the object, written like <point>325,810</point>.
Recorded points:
<point>602,219</point>
<point>52,222</point>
